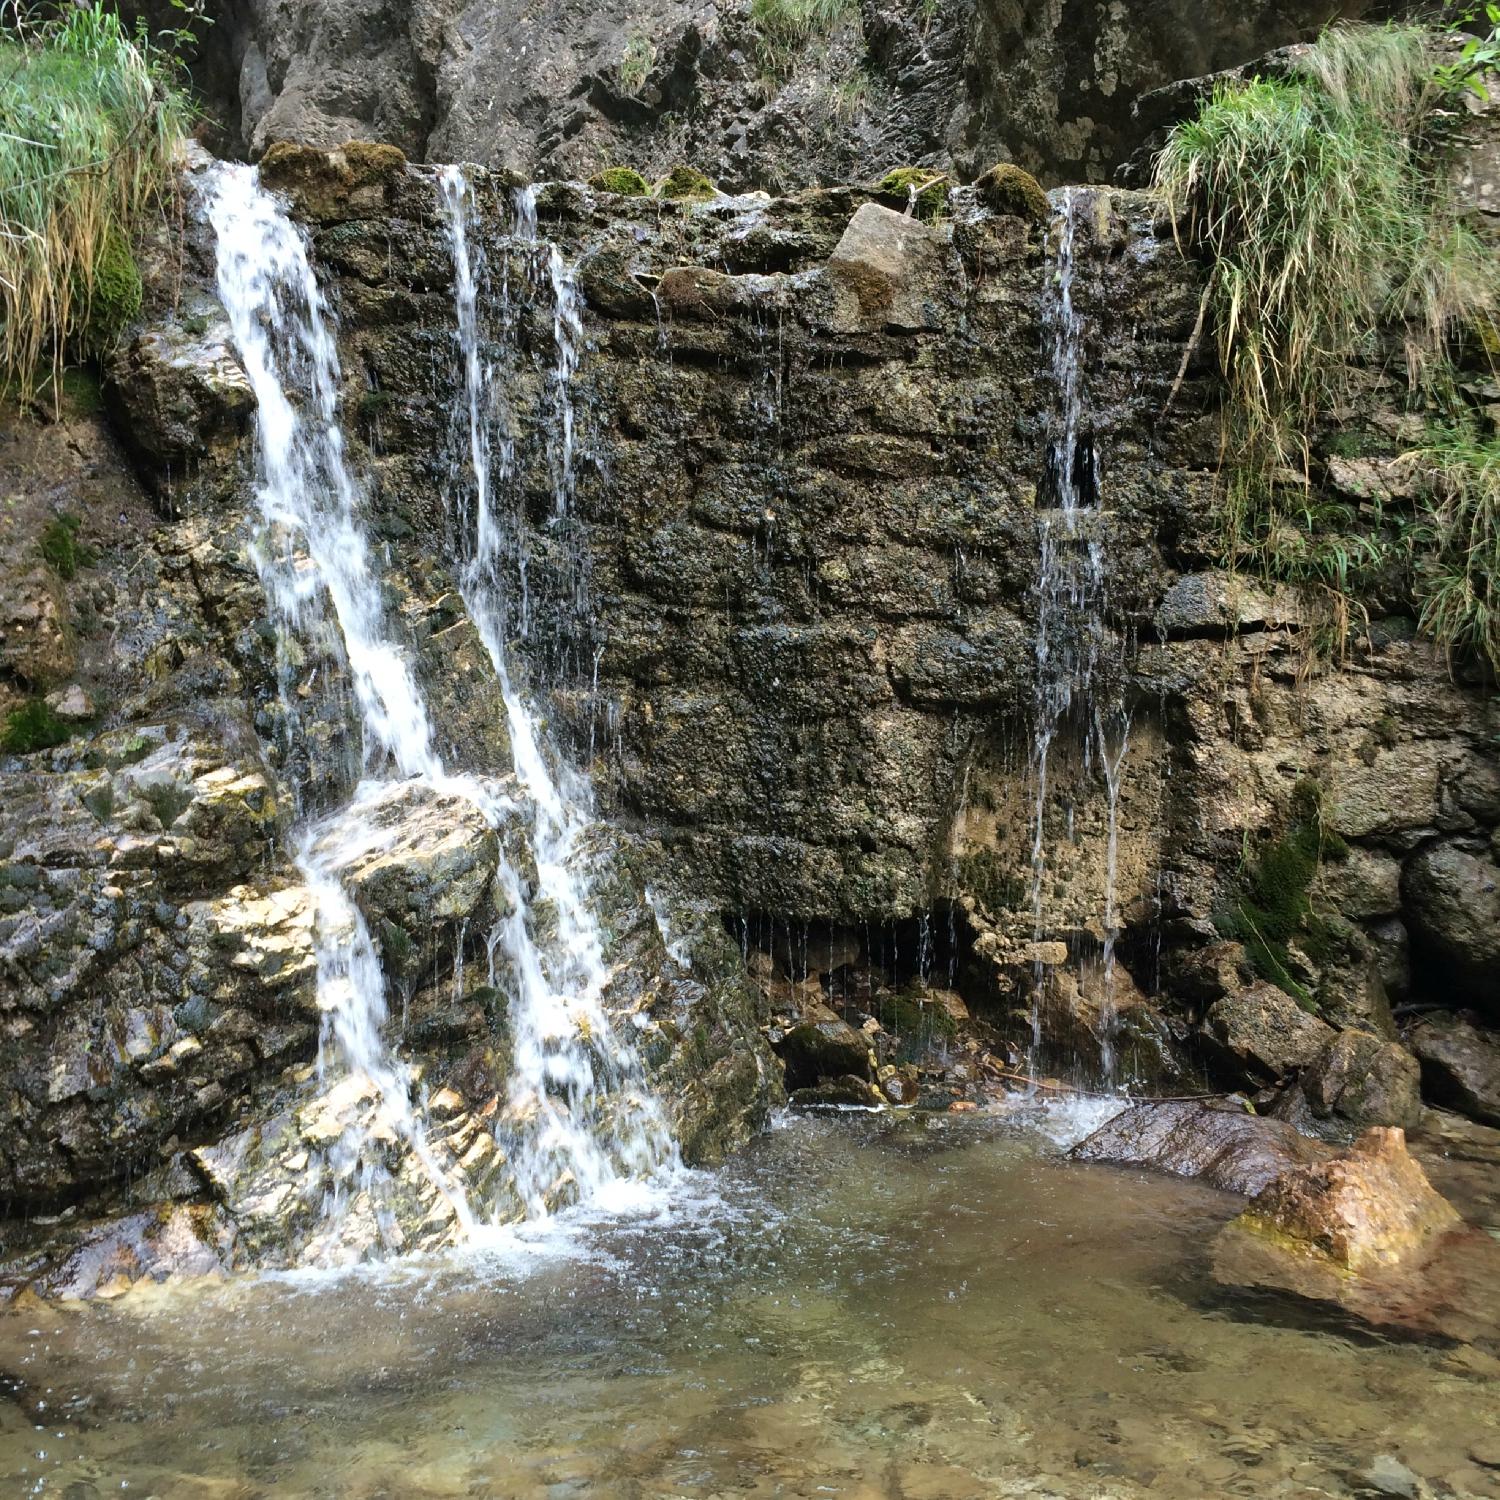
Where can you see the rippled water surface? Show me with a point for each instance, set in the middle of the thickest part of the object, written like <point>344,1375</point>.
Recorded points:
<point>856,1307</point>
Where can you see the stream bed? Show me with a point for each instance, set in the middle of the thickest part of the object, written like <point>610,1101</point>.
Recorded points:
<point>857,1305</point>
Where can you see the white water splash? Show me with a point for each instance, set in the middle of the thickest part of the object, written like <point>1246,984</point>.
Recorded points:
<point>312,553</point>
<point>590,1120</point>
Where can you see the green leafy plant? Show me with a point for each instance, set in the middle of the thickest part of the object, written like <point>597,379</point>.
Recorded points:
<point>1478,55</point>
<point>91,123</point>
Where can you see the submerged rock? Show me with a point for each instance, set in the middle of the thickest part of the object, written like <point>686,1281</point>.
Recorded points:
<point>1219,1142</point>
<point>1363,1234</point>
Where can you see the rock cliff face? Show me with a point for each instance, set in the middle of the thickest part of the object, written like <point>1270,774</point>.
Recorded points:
<point>560,90</point>
<point>790,622</point>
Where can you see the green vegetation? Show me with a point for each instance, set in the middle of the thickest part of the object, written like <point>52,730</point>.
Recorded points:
<point>1272,907</point>
<point>1009,189</point>
<point>1326,207</point>
<point>922,189</point>
<point>62,551</point>
<point>784,27</point>
<point>636,62</point>
<point>90,125</point>
<point>625,181</point>
<point>687,184</point>
<point>1456,545</point>
<point>31,727</point>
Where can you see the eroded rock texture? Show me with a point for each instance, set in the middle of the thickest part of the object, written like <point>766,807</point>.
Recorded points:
<point>554,91</point>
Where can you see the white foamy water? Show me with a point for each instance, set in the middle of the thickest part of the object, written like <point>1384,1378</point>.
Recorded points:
<point>593,1120</point>
<point>579,1124</point>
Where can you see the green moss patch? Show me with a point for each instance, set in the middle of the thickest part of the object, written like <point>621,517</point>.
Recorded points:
<point>30,728</point>
<point>1009,189</point>
<point>62,551</point>
<point>920,188</point>
<point>626,182</point>
<point>686,184</point>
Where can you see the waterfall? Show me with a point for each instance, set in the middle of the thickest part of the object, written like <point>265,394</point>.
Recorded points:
<point>600,1124</point>
<point>579,1118</point>
<point>1072,636</point>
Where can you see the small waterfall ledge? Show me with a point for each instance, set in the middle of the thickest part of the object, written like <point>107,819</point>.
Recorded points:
<point>584,640</point>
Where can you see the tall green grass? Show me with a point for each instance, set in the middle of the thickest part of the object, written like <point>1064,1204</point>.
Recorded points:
<point>90,127</point>
<point>1328,216</point>
<point>784,27</point>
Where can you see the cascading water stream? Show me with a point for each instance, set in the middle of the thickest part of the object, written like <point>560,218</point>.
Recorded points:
<point>598,1123</point>
<point>310,545</point>
<point>579,1119</point>
<point>1072,635</point>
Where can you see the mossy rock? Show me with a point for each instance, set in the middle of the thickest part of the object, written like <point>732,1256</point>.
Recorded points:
<point>113,295</point>
<point>1008,189</point>
<point>687,185</point>
<point>32,727</point>
<point>62,551</point>
<point>921,187</point>
<point>625,182</point>
<point>348,182</point>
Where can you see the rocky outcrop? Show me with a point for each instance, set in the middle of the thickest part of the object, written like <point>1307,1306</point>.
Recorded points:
<point>548,94</point>
<point>1263,1034</point>
<point>1460,1065</point>
<point>1365,1236</point>
<point>1221,1143</point>
<point>1359,1079</point>
<point>1453,897</point>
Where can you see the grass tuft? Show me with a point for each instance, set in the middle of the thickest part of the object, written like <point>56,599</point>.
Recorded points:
<point>1328,212</point>
<point>784,27</point>
<point>90,127</point>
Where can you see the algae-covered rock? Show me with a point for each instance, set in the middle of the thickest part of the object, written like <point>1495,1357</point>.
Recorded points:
<point>686,185</point>
<point>625,182</point>
<point>922,190</point>
<point>349,182</point>
<point>1009,189</point>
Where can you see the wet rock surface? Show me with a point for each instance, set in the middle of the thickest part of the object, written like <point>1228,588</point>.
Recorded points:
<point>1460,1065</point>
<point>1219,1142</point>
<point>1364,1236</point>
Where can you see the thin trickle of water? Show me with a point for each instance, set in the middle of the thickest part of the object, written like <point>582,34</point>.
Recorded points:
<point>579,1111</point>
<point>1072,635</point>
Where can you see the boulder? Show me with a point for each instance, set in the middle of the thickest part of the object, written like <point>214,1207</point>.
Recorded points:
<point>411,856</point>
<point>349,182</point>
<point>1217,1141</point>
<point>1460,1065</point>
<point>1453,911</point>
<point>179,394</point>
<point>1214,604</point>
<point>890,271</point>
<point>1260,1034</point>
<point>1361,1079</point>
<point>1364,1235</point>
<point>822,1046</point>
<point>1365,884</point>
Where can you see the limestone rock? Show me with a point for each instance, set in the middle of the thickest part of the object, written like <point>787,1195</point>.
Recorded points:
<point>892,271</point>
<point>1365,1235</point>
<point>1263,1033</point>
<point>350,181</point>
<point>169,1244</point>
<point>1214,604</point>
<point>1220,1143</point>
<point>1460,1065</point>
<point>1361,1079</point>
<point>1363,885</point>
<point>1453,910</point>
<point>180,395</point>
<point>412,856</point>
<point>1370,1207</point>
<point>823,1046</point>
